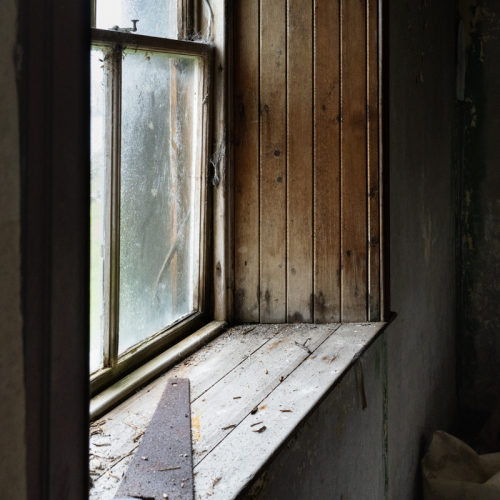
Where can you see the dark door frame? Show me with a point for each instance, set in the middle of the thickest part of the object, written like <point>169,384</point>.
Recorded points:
<point>54,102</point>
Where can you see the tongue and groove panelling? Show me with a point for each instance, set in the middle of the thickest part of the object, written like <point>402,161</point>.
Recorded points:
<point>306,160</point>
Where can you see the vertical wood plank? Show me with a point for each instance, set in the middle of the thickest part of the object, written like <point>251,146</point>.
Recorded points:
<point>246,160</point>
<point>273,161</point>
<point>373,164</point>
<point>326,161</point>
<point>300,299</point>
<point>354,156</point>
<point>220,29</point>
<point>383,159</point>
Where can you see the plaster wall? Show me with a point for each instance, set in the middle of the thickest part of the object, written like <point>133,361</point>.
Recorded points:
<point>12,448</point>
<point>479,348</point>
<point>421,342</point>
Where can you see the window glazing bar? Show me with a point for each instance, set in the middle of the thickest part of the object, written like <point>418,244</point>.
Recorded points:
<point>113,84</point>
<point>142,42</point>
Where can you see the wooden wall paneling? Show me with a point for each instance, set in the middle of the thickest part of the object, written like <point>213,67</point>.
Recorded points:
<point>300,300</point>
<point>246,160</point>
<point>273,161</point>
<point>354,160</point>
<point>373,164</point>
<point>326,161</point>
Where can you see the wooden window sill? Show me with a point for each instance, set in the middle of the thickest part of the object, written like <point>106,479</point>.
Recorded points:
<point>247,367</point>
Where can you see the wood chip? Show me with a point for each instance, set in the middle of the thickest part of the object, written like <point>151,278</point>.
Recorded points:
<point>97,424</point>
<point>228,427</point>
<point>256,423</point>
<point>262,429</point>
<point>286,411</point>
<point>134,427</point>
<point>281,379</point>
<point>169,468</point>
<point>237,397</point>
<point>302,346</point>
<point>266,372</point>
<point>336,355</point>
<point>254,411</point>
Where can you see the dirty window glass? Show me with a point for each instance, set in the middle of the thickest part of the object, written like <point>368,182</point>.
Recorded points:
<point>149,158</point>
<point>157,243</point>
<point>98,162</point>
<point>155,17</point>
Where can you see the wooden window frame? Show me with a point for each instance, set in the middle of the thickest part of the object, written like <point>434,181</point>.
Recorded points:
<point>115,366</point>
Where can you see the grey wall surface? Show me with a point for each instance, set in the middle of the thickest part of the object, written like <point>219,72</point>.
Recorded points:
<point>421,342</point>
<point>479,368</point>
<point>12,450</point>
<point>322,463</point>
<point>339,452</point>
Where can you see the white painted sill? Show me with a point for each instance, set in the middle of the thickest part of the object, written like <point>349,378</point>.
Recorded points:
<point>250,366</point>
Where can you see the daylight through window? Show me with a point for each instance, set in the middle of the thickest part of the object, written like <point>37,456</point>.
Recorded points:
<point>149,124</point>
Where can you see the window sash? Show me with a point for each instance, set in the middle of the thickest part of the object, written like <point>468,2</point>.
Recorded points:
<point>185,17</point>
<point>115,366</point>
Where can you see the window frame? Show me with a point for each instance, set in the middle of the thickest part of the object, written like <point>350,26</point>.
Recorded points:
<point>54,78</point>
<point>115,365</point>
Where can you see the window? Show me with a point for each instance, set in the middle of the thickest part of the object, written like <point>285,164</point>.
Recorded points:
<point>149,151</point>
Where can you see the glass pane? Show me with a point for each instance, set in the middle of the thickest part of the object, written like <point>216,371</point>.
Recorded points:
<point>156,17</point>
<point>96,206</point>
<point>158,239</point>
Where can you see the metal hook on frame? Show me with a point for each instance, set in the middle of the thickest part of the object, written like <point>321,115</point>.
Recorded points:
<point>126,30</point>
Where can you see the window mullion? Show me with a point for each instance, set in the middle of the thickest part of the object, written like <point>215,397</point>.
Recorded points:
<point>113,72</point>
<point>185,19</point>
<point>93,7</point>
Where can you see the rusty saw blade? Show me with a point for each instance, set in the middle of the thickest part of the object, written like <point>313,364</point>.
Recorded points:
<point>162,466</point>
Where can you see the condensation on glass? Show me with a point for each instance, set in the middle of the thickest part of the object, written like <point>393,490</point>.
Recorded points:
<point>156,17</point>
<point>158,241</point>
<point>98,163</point>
